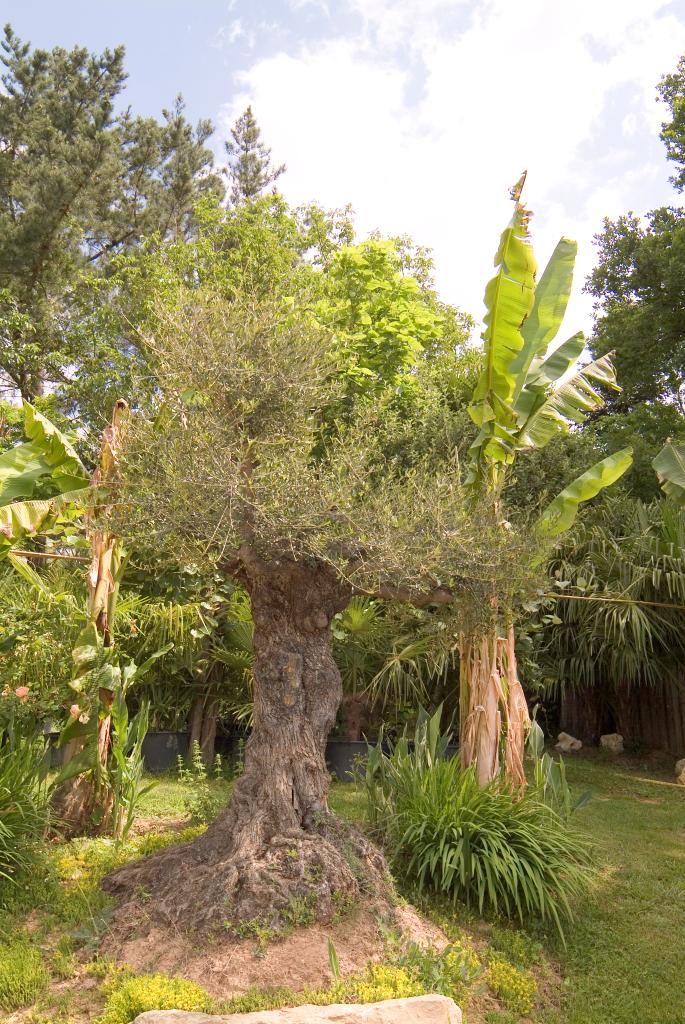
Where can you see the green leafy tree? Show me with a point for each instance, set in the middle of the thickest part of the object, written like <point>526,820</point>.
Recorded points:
<point>249,160</point>
<point>638,286</point>
<point>222,468</point>
<point>672,92</point>
<point>392,332</point>
<point>77,185</point>
<point>384,312</point>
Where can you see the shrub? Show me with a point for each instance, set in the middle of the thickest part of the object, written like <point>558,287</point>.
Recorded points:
<point>516,988</point>
<point>203,802</point>
<point>490,846</point>
<point>23,976</point>
<point>23,802</point>
<point>128,995</point>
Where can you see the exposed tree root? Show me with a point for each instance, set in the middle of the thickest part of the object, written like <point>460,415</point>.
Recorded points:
<point>295,878</point>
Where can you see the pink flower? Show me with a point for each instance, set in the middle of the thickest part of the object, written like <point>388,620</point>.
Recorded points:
<point>22,692</point>
<point>74,710</point>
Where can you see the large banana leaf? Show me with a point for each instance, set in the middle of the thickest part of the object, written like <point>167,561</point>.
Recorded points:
<point>22,519</point>
<point>20,469</point>
<point>670,469</point>
<point>47,455</point>
<point>560,514</point>
<point>553,409</point>
<point>66,468</point>
<point>509,299</point>
<point>552,366</point>
<point>552,293</point>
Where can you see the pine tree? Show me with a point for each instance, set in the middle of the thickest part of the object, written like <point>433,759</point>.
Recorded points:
<point>250,169</point>
<point>78,184</point>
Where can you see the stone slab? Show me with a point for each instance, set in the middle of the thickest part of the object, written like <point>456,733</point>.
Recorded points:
<point>432,1009</point>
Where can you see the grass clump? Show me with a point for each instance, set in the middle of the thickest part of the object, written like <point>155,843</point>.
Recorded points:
<point>23,975</point>
<point>128,995</point>
<point>518,948</point>
<point>24,807</point>
<point>453,971</point>
<point>489,846</point>
<point>203,800</point>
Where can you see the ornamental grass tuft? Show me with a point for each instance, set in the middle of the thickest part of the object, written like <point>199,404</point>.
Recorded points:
<point>490,847</point>
<point>23,804</point>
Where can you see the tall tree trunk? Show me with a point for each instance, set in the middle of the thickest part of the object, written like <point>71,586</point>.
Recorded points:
<point>276,840</point>
<point>493,708</point>
<point>297,691</point>
<point>582,711</point>
<point>195,728</point>
<point>208,731</point>
<point>623,703</point>
<point>353,713</point>
<point>203,724</point>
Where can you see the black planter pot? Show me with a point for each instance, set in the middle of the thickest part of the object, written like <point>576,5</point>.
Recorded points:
<point>341,756</point>
<point>161,749</point>
<point>54,754</point>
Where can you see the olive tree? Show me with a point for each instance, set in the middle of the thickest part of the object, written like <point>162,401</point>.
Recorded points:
<point>235,464</point>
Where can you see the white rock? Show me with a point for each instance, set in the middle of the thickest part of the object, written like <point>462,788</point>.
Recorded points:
<point>680,777</point>
<point>416,1010</point>
<point>566,743</point>
<point>612,741</point>
<point>175,1017</point>
<point>680,766</point>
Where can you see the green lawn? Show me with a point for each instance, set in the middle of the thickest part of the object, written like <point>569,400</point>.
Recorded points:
<point>623,960</point>
<point>623,963</point>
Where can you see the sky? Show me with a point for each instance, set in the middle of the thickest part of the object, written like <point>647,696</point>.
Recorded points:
<point>419,113</point>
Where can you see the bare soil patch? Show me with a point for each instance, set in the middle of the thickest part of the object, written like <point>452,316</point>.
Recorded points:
<point>226,967</point>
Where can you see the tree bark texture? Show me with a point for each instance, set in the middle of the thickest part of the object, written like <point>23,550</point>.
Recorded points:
<point>276,841</point>
<point>494,719</point>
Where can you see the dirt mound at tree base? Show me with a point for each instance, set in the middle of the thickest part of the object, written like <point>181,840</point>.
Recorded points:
<point>225,967</point>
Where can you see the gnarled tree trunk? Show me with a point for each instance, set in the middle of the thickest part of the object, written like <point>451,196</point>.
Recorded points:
<point>276,840</point>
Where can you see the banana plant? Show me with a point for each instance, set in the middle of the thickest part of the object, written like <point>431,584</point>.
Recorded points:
<point>530,389</point>
<point>670,469</point>
<point>114,782</point>
<point>43,483</point>
<point>48,462</point>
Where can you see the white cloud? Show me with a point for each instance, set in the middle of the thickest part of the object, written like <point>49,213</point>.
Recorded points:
<point>425,119</point>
